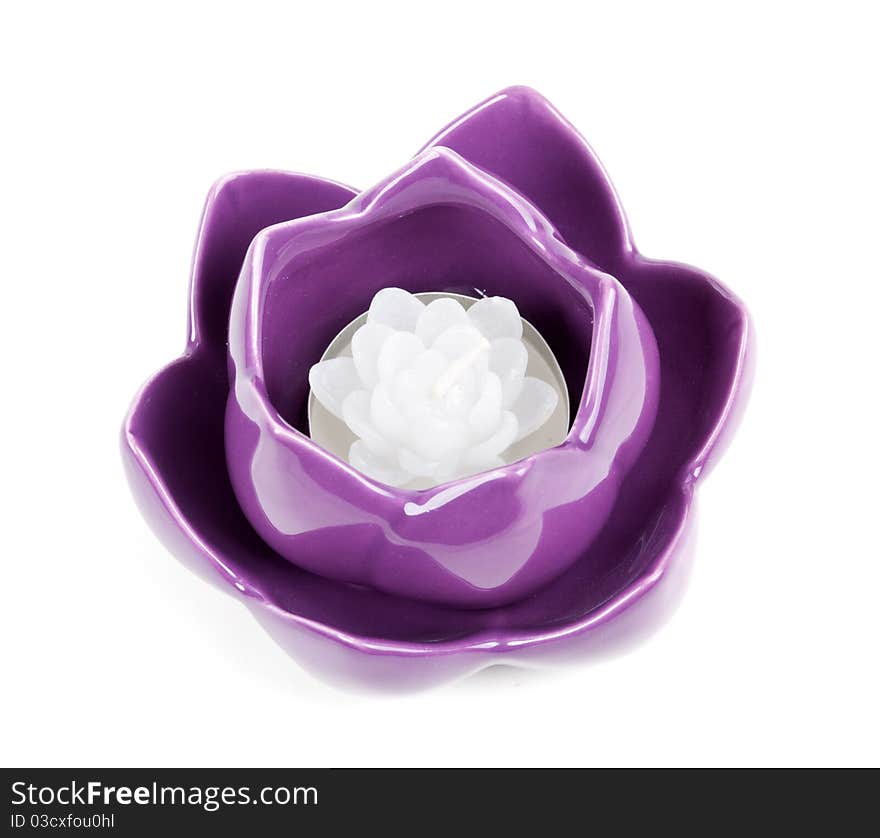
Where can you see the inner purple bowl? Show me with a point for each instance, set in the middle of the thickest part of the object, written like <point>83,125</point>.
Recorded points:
<point>482,541</point>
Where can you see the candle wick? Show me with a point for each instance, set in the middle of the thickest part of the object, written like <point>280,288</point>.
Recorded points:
<point>457,368</point>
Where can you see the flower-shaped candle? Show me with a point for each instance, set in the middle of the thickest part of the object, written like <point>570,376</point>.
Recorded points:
<point>508,201</point>
<point>433,392</point>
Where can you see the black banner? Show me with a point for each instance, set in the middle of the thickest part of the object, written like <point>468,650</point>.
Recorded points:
<point>318,801</point>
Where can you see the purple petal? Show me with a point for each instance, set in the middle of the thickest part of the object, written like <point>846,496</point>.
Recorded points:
<point>519,137</point>
<point>236,209</point>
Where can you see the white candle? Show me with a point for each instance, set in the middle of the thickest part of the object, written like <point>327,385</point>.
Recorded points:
<point>424,389</point>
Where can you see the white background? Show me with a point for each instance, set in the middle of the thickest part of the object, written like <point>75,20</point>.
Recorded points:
<point>743,142</point>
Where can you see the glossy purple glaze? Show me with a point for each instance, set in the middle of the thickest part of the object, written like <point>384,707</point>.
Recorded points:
<point>621,586</point>
<point>483,541</point>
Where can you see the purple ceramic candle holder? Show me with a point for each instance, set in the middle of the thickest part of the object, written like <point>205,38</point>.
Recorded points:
<point>530,560</point>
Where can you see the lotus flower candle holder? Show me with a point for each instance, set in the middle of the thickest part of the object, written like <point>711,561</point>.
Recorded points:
<point>490,558</point>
